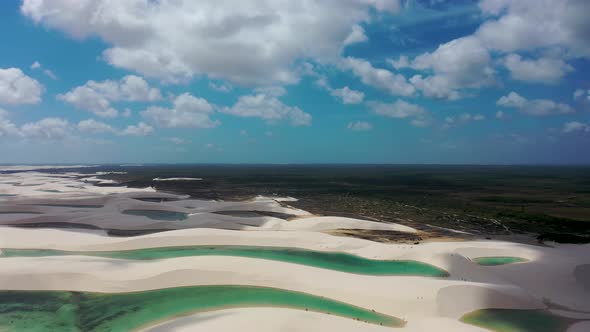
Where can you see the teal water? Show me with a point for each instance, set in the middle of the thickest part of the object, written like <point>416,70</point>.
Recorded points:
<point>498,260</point>
<point>45,311</point>
<point>514,320</point>
<point>327,260</point>
<point>158,214</point>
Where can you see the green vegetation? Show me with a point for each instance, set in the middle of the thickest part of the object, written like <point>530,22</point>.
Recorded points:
<point>498,260</point>
<point>514,320</point>
<point>327,260</point>
<point>40,311</point>
<point>482,200</point>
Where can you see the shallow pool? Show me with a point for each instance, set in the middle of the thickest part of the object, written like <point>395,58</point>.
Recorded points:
<point>42,311</point>
<point>498,260</point>
<point>327,260</point>
<point>515,320</point>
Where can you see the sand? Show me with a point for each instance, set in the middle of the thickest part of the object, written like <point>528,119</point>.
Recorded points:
<point>554,274</point>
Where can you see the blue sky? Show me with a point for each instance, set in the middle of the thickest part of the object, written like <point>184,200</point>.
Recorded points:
<point>332,81</point>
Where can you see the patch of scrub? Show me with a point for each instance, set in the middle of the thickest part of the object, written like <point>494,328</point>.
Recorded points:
<point>498,260</point>
<point>7,195</point>
<point>83,311</point>
<point>517,320</point>
<point>327,260</point>
<point>50,191</point>
<point>19,212</point>
<point>158,214</point>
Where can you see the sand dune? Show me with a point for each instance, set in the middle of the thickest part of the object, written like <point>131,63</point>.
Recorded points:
<point>553,278</point>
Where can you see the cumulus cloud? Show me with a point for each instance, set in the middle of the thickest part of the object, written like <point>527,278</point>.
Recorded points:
<point>141,129</point>
<point>394,84</point>
<point>7,128</point>
<point>462,119</point>
<point>348,95</point>
<point>534,24</point>
<point>357,35</point>
<point>402,110</point>
<point>96,97</point>
<point>402,62</point>
<point>48,129</point>
<point>582,96</point>
<point>575,126</point>
<point>535,107</point>
<point>345,94</point>
<point>360,126</point>
<point>188,111</point>
<point>95,127</point>
<point>246,42</point>
<point>222,87</point>
<point>542,70</point>
<point>17,88</point>
<point>459,64</point>
<point>268,108</point>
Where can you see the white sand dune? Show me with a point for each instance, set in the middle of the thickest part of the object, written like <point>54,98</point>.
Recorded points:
<point>556,275</point>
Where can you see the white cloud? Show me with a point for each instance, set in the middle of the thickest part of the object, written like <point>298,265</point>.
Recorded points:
<point>188,111</point>
<point>357,35</point>
<point>86,98</point>
<point>141,129</point>
<point>96,97</point>
<point>458,64</point>
<point>394,84</point>
<point>48,129</point>
<point>274,91</point>
<point>248,41</point>
<point>575,126</point>
<point>542,70</point>
<point>17,88</point>
<point>579,93</point>
<point>95,127</point>
<point>402,110</point>
<point>359,126</point>
<point>345,94</point>
<point>7,128</point>
<point>501,115</point>
<point>222,87</point>
<point>402,62</point>
<point>399,109</point>
<point>268,108</point>
<point>348,96</point>
<point>534,24</point>
<point>462,119</point>
<point>583,97</point>
<point>535,107</point>
<point>50,74</point>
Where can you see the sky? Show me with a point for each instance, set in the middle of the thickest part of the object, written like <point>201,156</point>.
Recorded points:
<point>283,81</point>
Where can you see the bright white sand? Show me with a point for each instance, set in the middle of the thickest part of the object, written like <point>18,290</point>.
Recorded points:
<point>557,274</point>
